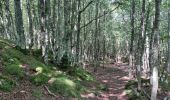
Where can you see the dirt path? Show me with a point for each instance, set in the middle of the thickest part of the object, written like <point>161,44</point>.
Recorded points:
<point>115,78</point>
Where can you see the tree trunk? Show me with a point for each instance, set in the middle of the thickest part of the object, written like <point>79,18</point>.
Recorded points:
<point>141,45</point>
<point>44,36</point>
<point>19,24</point>
<point>30,25</point>
<point>78,32</point>
<point>96,38</point>
<point>132,38</point>
<point>168,60</point>
<point>155,57</point>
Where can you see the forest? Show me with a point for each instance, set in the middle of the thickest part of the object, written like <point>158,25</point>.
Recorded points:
<point>84,49</point>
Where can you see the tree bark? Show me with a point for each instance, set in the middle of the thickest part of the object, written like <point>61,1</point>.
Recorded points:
<point>44,36</point>
<point>168,60</point>
<point>156,49</point>
<point>30,25</point>
<point>132,38</point>
<point>19,24</point>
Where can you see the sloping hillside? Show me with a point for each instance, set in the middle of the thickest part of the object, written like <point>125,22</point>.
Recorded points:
<point>23,76</point>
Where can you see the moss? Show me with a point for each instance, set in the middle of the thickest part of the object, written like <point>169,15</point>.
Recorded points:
<point>6,84</point>
<point>66,87</point>
<point>13,69</point>
<point>40,79</point>
<point>81,73</point>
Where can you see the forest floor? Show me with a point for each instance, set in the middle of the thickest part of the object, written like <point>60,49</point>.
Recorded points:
<point>114,77</point>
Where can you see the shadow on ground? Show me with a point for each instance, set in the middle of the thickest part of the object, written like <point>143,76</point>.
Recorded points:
<point>114,77</point>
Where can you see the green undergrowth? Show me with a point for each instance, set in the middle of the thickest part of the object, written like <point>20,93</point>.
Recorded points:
<point>165,85</point>
<point>66,87</point>
<point>131,89</point>
<point>18,66</point>
<point>6,84</point>
<point>81,74</point>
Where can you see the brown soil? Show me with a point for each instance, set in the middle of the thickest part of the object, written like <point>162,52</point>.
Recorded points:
<point>114,76</point>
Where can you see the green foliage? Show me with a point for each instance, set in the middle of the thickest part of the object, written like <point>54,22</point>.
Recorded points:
<point>81,74</point>
<point>165,86</point>
<point>134,83</point>
<point>131,89</point>
<point>133,96</point>
<point>39,79</point>
<point>66,87</point>
<point>14,70</point>
<point>130,83</point>
<point>6,84</point>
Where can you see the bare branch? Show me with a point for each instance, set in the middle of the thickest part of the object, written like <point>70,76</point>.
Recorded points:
<point>105,13</point>
<point>86,6</point>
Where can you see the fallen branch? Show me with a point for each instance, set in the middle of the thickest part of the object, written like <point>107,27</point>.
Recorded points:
<point>49,92</point>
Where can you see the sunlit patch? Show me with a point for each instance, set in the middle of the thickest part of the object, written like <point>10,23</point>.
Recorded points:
<point>91,95</point>
<point>112,94</point>
<point>105,81</point>
<point>122,96</point>
<point>110,88</point>
<point>23,66</point>
<point>39,70</point>
<point>124,78</point>
<point>69,82</point>
<point>104,95</point>
<point>51,81</point>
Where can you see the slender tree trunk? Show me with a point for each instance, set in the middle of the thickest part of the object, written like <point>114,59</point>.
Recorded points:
<point>44,36</point>
<point>19,24</point>
<point>78,32</point>
<point>96,37</point>
<point>141,45</point>
<point>66,25</point>
<point>9,32</point>
<point>132,38</point>
<point>156,49</point>
<point>168,60</point>
<point>2,26</point>
<point>53,34</point>
<point>59,31</point>
<point>30,25</point>
<point>146,45</point>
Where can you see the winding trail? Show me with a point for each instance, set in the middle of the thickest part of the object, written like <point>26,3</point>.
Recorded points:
<point>114,76</point>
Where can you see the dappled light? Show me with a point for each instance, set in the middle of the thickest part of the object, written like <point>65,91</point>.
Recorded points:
<point>114,77</point>
<point>84,50</point>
